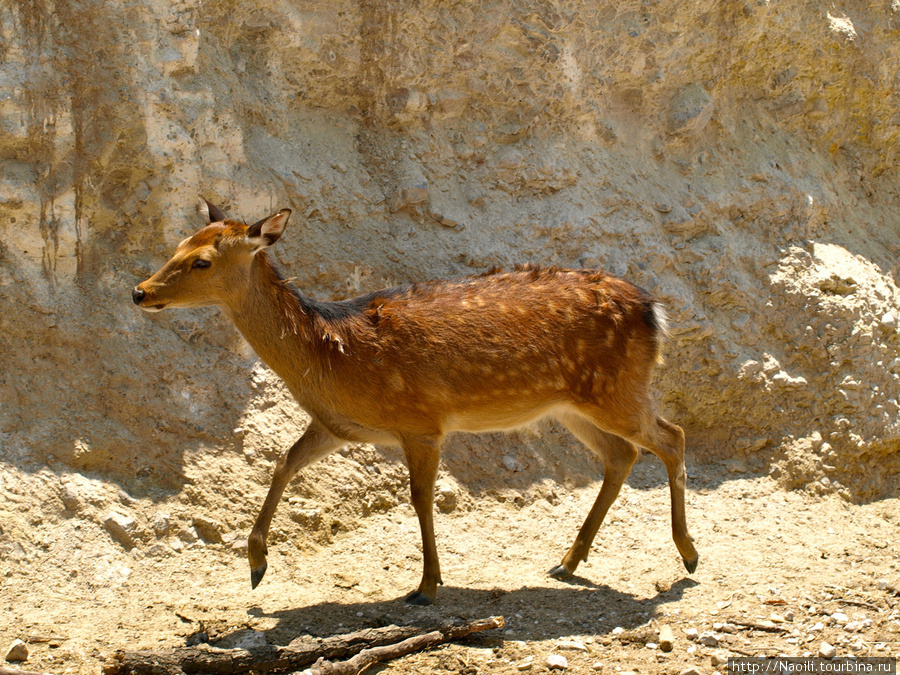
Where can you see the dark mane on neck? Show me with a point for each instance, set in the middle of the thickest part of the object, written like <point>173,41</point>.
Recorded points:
<point>329,324</point>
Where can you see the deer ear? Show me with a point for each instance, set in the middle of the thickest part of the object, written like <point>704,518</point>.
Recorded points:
<point>267,231</point>
<point>210,212</point>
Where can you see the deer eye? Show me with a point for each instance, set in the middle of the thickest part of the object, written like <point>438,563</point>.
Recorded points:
<point>200,264</point>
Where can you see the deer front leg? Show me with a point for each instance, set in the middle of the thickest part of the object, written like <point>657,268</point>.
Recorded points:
<point>315,444</point>
<point>422,458</point>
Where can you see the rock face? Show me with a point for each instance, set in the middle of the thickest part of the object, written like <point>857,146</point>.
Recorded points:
<point>737,159</point>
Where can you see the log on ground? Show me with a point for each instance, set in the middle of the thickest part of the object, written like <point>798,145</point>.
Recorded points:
<point>299,654</point>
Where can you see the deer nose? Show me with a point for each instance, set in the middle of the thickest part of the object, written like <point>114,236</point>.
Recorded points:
<point>137,295</point>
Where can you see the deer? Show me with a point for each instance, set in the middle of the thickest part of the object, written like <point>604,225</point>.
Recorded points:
<point>409,365</point>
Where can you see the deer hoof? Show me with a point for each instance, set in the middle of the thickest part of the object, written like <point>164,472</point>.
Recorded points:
<point>256,575</point>
<point>691,565</point>
<point>560,572</point>
<point>418,598</point>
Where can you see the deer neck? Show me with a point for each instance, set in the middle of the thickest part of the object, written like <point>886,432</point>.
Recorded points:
<point>273,319</point>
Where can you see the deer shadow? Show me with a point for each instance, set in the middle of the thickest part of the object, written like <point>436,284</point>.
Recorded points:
<point>578,607</point>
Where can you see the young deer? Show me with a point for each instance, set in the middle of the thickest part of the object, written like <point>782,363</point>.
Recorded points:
<point>409,365</point>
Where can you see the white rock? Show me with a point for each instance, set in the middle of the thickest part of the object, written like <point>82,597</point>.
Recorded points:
<point>18,651</point>
<point>819,626</point>
<point>827,650</point>
<point>121,527</point>
<point>889,320</point>
<point>840,618</point>
<point>557,662</point>
<point>571,644</point>
<point>618,630</point>
<point>691,633</point>
<point>161,524</point>
<point>853,626</point>
<point>709,639</point>
<point>511,464</point>
<point>598,666</point>
<point>527,664</point>
<point>691,671</point>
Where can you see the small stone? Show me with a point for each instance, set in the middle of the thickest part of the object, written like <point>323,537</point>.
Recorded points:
<point>511,464</point>
<point>827,650</point>
<point>853,626</point>
<point>576,645</point>
<point>618,630</point>
<point>718,659</point>
<point>840,618</point>
<point>666,639</point>
<point>598,665</point>
<point>691,671</point>
<point>126,498</point>
<point>121,527</point>
<point>162,522</point>
<point>70,497</point>
<point>18,651</point>
<point>708,639</point>
<point>209,530</point>
<point>557,662</point>
<point>691,633</point>
<point>889,320</point>
<point>789,615</point>
<point>447,500</point>
<point>527,664</point>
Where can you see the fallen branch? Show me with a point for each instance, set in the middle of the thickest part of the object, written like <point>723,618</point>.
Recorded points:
<point>767,627</point>
<point>369,657</point>
<point>16,671</point>
<point>299,654</point>
<point>859,603</point>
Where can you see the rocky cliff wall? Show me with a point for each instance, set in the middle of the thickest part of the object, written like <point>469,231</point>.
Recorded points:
<point>738,159</point>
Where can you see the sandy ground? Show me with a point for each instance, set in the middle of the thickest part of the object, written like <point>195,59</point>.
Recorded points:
<point>809,568</point>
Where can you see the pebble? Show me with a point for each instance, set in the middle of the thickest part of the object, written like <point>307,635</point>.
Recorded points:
<point>557,662</point>
<point>691,671</point>
<point>527,664</point>
<point>18,651</point>
<point>666,639</point>
<point>827,650</point>
<point>708,639</point>
<point>598,666</point>
<point>718,659</point>
<point>840,617</point>
<point>691,633</point>
<point>161,523</point>
<point>70,497</point>
<point>819,626</point>
<point>121,527</point>
<point>571,644</point>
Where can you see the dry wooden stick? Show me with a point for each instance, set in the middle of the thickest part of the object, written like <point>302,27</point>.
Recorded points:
<point>299,654</point>
<point>16,671</point>
<point>769,628</point>
<point>369,657</point>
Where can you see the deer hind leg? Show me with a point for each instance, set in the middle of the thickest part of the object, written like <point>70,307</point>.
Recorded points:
<point>618,457</point>
<point>315,444</point>
<point>665,440</point>
<point>422,458</point>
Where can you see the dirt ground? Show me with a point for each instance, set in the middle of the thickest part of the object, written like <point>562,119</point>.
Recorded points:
<point>806,568</point>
